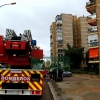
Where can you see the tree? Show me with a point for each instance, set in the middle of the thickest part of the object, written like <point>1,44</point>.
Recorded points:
<point>47,63</point>
<point>76,55</point>
<point>87,57</point>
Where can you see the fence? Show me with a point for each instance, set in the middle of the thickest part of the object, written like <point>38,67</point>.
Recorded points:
<point>51,61</point>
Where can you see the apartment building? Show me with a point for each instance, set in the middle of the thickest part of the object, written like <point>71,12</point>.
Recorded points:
<point>68,29</point>
<point>93,7</point>
<point>53,40</point>
<point>81,32</point>
<point>61,33</point>
<point>64,32</point>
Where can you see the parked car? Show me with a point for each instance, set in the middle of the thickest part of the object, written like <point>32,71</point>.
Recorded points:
<point>67,73</point>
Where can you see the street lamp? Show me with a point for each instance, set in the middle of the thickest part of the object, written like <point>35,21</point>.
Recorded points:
<point>13,3</point>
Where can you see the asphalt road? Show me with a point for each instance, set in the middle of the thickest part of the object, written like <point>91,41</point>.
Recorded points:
<point>46,95</point>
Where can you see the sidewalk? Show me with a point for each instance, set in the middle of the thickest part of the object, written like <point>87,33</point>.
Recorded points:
<point>54,93</point>
<point>81,87</point>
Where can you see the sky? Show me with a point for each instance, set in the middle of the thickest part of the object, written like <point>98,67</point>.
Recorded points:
<point>37,16</point>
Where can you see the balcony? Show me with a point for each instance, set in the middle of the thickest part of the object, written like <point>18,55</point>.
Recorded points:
<point>50,37</point>
<point>59,42</point>
<point>92,30</point>
<point>58,17</point>
<point>50,33</point>
<point>92,20</point>
<point>93,40</point>
<point>51,41</point>
<point>59,47</point>
<point>91,6</point>
<point>51,51</point>
<point>51,30</point>
<point>59,37</point>
<point>93,44</point>
<point>60,51</point>
<point>58,30</point>
<point>92,0</point>
<point>59,22</point>
<point>51,45</point>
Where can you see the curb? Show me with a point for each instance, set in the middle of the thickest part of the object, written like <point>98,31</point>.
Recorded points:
<point>51,91</point>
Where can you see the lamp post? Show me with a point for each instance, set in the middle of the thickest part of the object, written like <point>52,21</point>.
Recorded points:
<point>13,3</point>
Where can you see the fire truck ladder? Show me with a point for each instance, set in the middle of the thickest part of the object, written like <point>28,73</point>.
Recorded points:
<point>11,35</point>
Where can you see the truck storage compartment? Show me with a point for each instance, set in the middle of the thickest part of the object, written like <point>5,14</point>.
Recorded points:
<point>37,54</point>
<point>14,85</point>
<point>3,56</point>
<point>15,45</point>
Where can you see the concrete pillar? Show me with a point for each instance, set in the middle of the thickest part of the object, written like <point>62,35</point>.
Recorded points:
<point>98,25</point>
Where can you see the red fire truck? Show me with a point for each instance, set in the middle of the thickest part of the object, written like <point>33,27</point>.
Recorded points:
<point>17,73</point>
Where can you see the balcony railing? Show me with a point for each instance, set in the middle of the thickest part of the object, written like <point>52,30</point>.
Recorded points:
<point>93,29</point>
<point>59,30</point>
<point>58,22</point>
<point>58,17</point>
<point>90,3</point>
<point>93,0</point>
<point>51,41</point>
<point>59,42</point>
<point>92,44</point>
<point>61,48</point>
<point>50,33</point>
<point>91,17</point>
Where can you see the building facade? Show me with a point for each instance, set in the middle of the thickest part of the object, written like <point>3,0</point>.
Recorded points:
<point>64,32</point>
<point>68,29</point>
<point>53,40</point>
<point>81,38</point>
<point>93,7</point>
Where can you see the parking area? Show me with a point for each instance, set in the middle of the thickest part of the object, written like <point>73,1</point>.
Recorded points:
<point>81,87</point>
